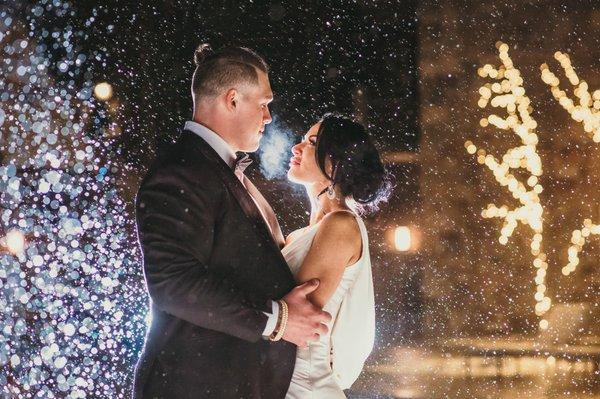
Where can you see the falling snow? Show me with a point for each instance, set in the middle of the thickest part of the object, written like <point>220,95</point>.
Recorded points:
<point>90,90</point>
<point>60,334</point>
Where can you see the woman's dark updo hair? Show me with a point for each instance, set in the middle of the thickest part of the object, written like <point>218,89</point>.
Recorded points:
<point>357,168</point>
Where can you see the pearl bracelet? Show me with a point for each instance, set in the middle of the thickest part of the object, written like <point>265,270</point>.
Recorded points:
<point>283,318</point>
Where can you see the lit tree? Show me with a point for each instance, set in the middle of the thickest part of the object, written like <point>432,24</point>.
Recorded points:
<point>72,306</point>
<point>507,92</point>
<point>586,112</point>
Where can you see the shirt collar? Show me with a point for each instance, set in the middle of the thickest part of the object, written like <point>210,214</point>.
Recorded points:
<point>217,143</point>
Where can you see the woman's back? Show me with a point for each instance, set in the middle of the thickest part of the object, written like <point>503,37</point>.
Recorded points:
<point>313,373</point>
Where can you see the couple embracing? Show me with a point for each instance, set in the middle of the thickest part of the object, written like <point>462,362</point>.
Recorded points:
<point>238,310</point>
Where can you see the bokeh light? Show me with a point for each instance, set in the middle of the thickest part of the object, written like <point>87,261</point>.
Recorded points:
<point>103,91</point>
<point>15,241</point>
<point>402,238</point>
<point>72,306</point>
<point>508,92</point>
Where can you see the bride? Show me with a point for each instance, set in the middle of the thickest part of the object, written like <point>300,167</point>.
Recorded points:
<point>343,175</point>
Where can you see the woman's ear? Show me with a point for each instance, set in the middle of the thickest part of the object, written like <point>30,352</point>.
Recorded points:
<point>329,166</point>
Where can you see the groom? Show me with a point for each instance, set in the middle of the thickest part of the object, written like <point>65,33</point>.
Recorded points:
<point>211,247</point>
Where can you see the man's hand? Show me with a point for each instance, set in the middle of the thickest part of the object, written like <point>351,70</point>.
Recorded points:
<point>305,320</point>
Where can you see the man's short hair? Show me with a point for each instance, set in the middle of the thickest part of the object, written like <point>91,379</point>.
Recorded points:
<point>217,71</point>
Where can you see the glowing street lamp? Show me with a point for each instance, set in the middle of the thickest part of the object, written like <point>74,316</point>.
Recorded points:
<point>103,91</point>
<point>402,238</point>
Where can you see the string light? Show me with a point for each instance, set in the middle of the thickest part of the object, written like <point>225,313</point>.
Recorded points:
<point>578,239</point>
<point>587,112</point>
<point>508,92</point>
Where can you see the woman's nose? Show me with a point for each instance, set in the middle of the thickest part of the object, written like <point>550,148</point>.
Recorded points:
<point>296,149</point>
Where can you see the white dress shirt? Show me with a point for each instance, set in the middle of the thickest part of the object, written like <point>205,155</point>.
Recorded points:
<point>227,154</point>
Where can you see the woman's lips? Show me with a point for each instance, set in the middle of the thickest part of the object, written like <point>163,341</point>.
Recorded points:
<point>294,161</point>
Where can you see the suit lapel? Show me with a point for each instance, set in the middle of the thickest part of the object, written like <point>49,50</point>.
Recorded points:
<point>239,193</point>
<point>269,214</point>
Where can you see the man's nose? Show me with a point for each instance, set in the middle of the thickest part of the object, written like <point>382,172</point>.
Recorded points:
<point>267,117</point>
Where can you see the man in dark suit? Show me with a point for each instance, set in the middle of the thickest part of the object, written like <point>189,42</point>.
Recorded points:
<point>211,247</point>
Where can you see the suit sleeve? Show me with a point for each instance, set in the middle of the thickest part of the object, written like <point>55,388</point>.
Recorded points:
<point>176,215</point>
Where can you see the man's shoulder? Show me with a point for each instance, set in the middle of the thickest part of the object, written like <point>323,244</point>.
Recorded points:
<point>186,151</point>
<point>182,160</point>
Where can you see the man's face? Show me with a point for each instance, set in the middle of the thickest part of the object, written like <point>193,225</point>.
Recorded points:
<point>252,113</point>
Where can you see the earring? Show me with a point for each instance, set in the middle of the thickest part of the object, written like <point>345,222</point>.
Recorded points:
<point>330,192</point>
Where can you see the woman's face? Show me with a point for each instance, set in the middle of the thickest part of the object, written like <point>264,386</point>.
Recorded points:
<point>303,163</point>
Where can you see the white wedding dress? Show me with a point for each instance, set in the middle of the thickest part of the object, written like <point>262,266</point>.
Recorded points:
<point>332,364</point>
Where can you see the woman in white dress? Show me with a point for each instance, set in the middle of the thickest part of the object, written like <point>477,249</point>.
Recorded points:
<point>343,175</point>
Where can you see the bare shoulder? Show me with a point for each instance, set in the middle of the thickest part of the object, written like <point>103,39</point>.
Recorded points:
<point>340,220</point>
<point>342,227</point>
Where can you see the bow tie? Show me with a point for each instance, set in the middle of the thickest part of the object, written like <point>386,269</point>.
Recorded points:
<point>242,161</point>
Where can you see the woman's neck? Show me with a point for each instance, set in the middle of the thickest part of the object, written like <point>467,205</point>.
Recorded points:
<point>322,205</point>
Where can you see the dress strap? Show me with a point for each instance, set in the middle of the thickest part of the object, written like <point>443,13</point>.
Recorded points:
<point>353,332</point>
<point>364,237</point>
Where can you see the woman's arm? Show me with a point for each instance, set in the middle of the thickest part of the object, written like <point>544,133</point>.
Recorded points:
<point>336,245</point>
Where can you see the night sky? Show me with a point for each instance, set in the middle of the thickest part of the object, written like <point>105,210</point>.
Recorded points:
<point>320,54</point>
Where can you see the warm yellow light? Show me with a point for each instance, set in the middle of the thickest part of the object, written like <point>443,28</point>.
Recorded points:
<point>582,108</point>
<point>544,324</point>
<point>578,239</point>
<point>402,238</point>
<point>103,91</point>
<point>508,92</point>
<point>15,242</point>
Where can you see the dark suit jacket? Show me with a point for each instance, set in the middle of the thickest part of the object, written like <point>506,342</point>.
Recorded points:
<point>210,266</point>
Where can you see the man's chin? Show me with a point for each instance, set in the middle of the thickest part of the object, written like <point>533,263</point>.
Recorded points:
<point>251,147</point>
<point>254,146</point>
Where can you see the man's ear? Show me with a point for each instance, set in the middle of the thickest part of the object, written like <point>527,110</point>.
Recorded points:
<point>231,99</point>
